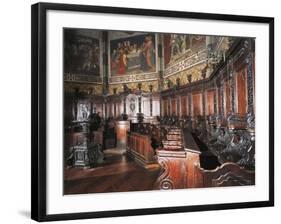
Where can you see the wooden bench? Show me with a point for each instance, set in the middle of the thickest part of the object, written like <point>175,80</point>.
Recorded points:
<point>139,148</point>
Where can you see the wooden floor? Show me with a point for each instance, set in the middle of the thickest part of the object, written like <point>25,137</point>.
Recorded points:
<point>118,173</point>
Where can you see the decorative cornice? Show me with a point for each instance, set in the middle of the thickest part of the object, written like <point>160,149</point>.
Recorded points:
<point>220,69</point>
<point>68,77</point>
<point>133,78</point>
<point>193,60</point>
<point>83,88</point>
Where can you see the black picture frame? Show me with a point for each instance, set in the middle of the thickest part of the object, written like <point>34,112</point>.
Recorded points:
<point>39,107</point>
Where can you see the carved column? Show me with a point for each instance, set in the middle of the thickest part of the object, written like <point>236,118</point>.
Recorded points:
<point>232,84</point>
<point>102,109</point>
<point>114,109</point>
<point>161,112</point>
<point>73,109</point>
<point>203,74</point>
<point>124,105</point>
<point>216,99</point>
<point>162,109</point>
<point>222,97</point>
<point>249,61</point>
<point>161,70</point>
<point>204,100</point>
<point>190,103</point>
<point>91,107</point>
<point>104,37</point>
<point>114,102</point>
<point>150,100</point>
<point>169,106</point>
<point>139,97</point>
<point>76,92</point>
<point>105,107</point>
<point>178,105</point>
<point>151,105</point>
<point>105,61</point>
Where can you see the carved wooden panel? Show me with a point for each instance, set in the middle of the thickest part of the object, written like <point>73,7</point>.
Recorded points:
<point>174,106</point>
<point>241,91</point>
<point>219,102</point>
<point>165,107</point>
<point>139,147</point>
<point>110,109</point>
<point>197,104</point>
<point>184,106</point>
<point>121,131</point>
<point>228,174</point>
<point>210,102</point>
<point>173,175</point>
<point>227,98</point>
<point>178,170</point>
<point>254,85</point>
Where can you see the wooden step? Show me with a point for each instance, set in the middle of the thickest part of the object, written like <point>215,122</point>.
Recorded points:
<point>173,148</point>
<point>173,137</point>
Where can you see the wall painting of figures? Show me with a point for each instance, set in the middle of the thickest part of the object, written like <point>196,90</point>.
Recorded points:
<point>82,54</point>
<point>132,53</point>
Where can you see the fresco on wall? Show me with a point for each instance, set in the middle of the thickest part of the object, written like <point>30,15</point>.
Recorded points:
<point>132,53</point>
<point>180,46</point>
<point>81,52</point>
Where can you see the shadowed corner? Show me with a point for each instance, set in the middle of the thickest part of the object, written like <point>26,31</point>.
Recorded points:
<point>25,213</point>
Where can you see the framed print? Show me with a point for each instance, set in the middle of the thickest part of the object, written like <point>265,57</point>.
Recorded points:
<point>138,111</point>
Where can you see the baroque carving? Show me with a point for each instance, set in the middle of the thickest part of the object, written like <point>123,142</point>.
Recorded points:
<point>88,89</point>
<point>164,182</point>
<point>187,76</point>
<point>250,84</point>
<point>133,78</point>
<point>233,145</point>
<point>146,87</point>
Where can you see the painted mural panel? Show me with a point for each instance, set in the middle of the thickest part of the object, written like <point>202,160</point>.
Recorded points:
<point>177,47</point>
<point>132,53</point>
<point>82,52</point>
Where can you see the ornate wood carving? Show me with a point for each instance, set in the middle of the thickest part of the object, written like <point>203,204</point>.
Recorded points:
<point>164,181</point>
<point>229,174</point>
<point>139,147</point>
<point>177,160</point>
<point>241,91</point>
<point>222,97</point>
<point>216,100</point>
<point>190,104</point>
<point>250,84</point>
<point>204,100</point>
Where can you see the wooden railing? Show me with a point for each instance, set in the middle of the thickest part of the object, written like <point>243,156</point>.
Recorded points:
<point>182,169</point>
<point>178,163</point>
<point>139,147</point>
<point>228,174</point>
